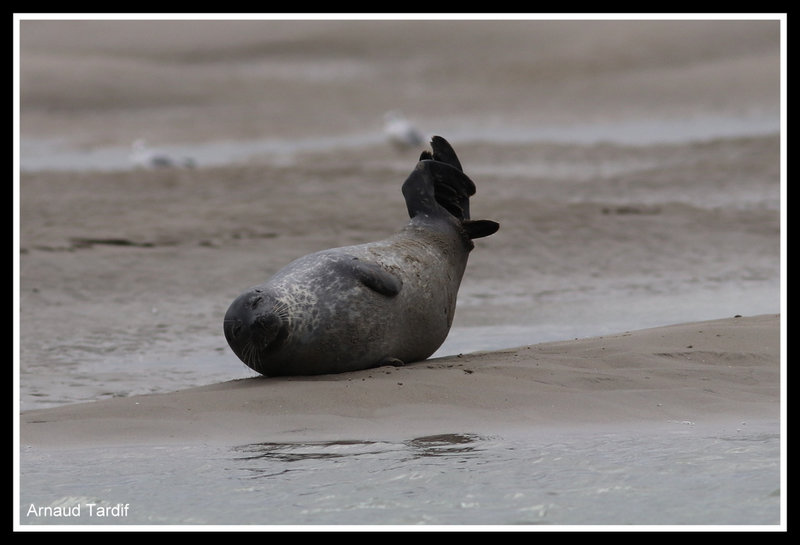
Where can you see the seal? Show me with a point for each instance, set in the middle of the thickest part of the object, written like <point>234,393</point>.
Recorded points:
<point>356,307</point>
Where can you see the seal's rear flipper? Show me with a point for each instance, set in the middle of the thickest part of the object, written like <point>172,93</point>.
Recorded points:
<point>452,188</point>
<point>438,180</point>
<point>435,188</point>
<point>439,186</point>
<point>442,151</point>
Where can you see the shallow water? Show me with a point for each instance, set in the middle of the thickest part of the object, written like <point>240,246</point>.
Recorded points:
<point>681,476</point>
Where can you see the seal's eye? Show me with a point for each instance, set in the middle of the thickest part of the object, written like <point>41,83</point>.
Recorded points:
<point>255,301</point>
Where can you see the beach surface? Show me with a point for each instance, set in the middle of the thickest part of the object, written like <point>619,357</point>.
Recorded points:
<point>716,375</point>
<point>634,285</point>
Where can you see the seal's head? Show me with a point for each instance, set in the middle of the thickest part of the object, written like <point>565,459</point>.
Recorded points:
<point>255,327</point>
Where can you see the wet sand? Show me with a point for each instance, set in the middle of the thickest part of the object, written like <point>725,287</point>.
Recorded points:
<point>715,375</point>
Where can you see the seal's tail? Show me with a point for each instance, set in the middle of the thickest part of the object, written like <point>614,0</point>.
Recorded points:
<point>438,185</point>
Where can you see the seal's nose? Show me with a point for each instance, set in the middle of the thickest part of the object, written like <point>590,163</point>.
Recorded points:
<point>232,328</point>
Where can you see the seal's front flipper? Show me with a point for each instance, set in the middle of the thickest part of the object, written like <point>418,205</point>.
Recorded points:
<point>374,277</point>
